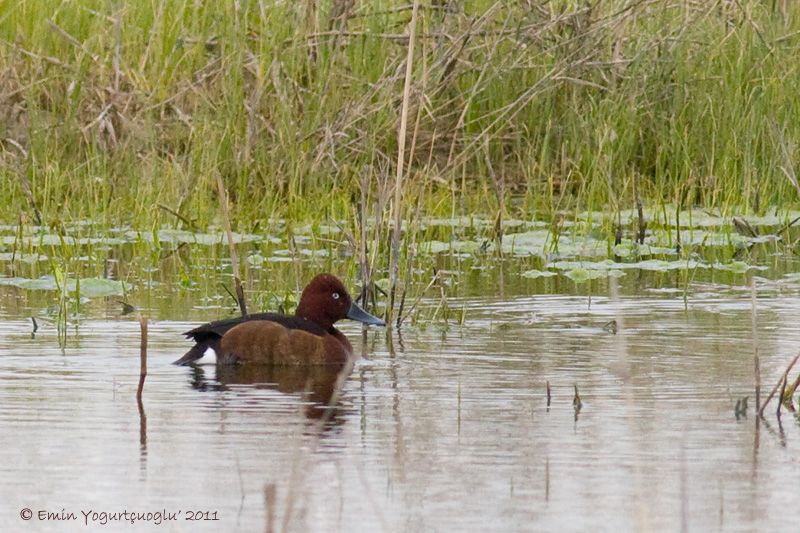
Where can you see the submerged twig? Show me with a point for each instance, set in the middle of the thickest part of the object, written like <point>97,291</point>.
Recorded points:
<point>740,410</point>
<point>126,307</point>
<point>547,389</point>
<point>576,400</point>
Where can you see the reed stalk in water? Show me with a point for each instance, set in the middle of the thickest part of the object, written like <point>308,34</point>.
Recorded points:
<point>142,357</point>
<point>394,266</point>
<point>223,200</point>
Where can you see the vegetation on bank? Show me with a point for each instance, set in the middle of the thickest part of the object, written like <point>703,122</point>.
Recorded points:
<point>109,109</point>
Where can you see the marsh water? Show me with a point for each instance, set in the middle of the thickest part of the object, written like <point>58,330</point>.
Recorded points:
<point>445,426</point>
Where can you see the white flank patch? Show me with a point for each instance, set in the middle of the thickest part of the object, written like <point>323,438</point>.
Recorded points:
<point>209,357</point>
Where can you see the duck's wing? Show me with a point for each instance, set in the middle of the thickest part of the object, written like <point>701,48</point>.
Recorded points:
<point>208,335</point>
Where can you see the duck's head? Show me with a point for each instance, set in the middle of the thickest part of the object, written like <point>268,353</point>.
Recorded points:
<point>325,301</point>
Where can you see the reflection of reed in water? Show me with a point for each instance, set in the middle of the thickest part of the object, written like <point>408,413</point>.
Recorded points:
<point>317,384</point>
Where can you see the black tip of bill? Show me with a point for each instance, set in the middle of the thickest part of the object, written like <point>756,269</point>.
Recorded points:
<point>356,313</point>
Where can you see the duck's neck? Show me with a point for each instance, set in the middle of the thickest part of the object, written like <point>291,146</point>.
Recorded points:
<point>312,314</point>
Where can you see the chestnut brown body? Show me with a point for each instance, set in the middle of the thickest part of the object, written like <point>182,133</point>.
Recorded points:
<point>267,342</point>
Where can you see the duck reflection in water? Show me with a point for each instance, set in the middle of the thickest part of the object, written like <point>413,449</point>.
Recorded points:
<point>315,385</point>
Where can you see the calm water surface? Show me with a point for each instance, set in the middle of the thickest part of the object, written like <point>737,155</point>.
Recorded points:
<point>441,431</point>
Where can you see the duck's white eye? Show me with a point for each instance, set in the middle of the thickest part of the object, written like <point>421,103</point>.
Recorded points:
<point>335,295</point>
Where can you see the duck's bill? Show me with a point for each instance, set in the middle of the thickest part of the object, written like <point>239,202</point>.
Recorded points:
<point>356,313</point>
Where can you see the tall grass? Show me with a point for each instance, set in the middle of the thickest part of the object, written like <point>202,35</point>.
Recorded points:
<point>108,109</point>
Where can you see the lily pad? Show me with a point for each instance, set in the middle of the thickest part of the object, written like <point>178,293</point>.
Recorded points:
<point>543,243</point>
<point>89,287</point>
<point>182,236</point>
<point>97,287</point>
<point>699,237</point>
<point>459,246</point>
<point>24,258</point>
<point>582,275</point>
<point>50,239</point>
<point>660,265</point>
<point>697,218</point>
<point>604,265</point>
<point>538,274</point>
<point>738,267</point>
<point>632,249</point>
<point>256,259</point>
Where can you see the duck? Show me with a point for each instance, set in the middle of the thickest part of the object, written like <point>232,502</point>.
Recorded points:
<point>306,338</point>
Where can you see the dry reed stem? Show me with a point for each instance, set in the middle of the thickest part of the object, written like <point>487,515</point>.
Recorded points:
<point>401,157</point>
<point>410,258</point>
<point>223,200</point>
<point>295,260</point>
<point>361,216</point>
<point>782,379</point>
<point>780,398</point>
<point>72,40</point>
